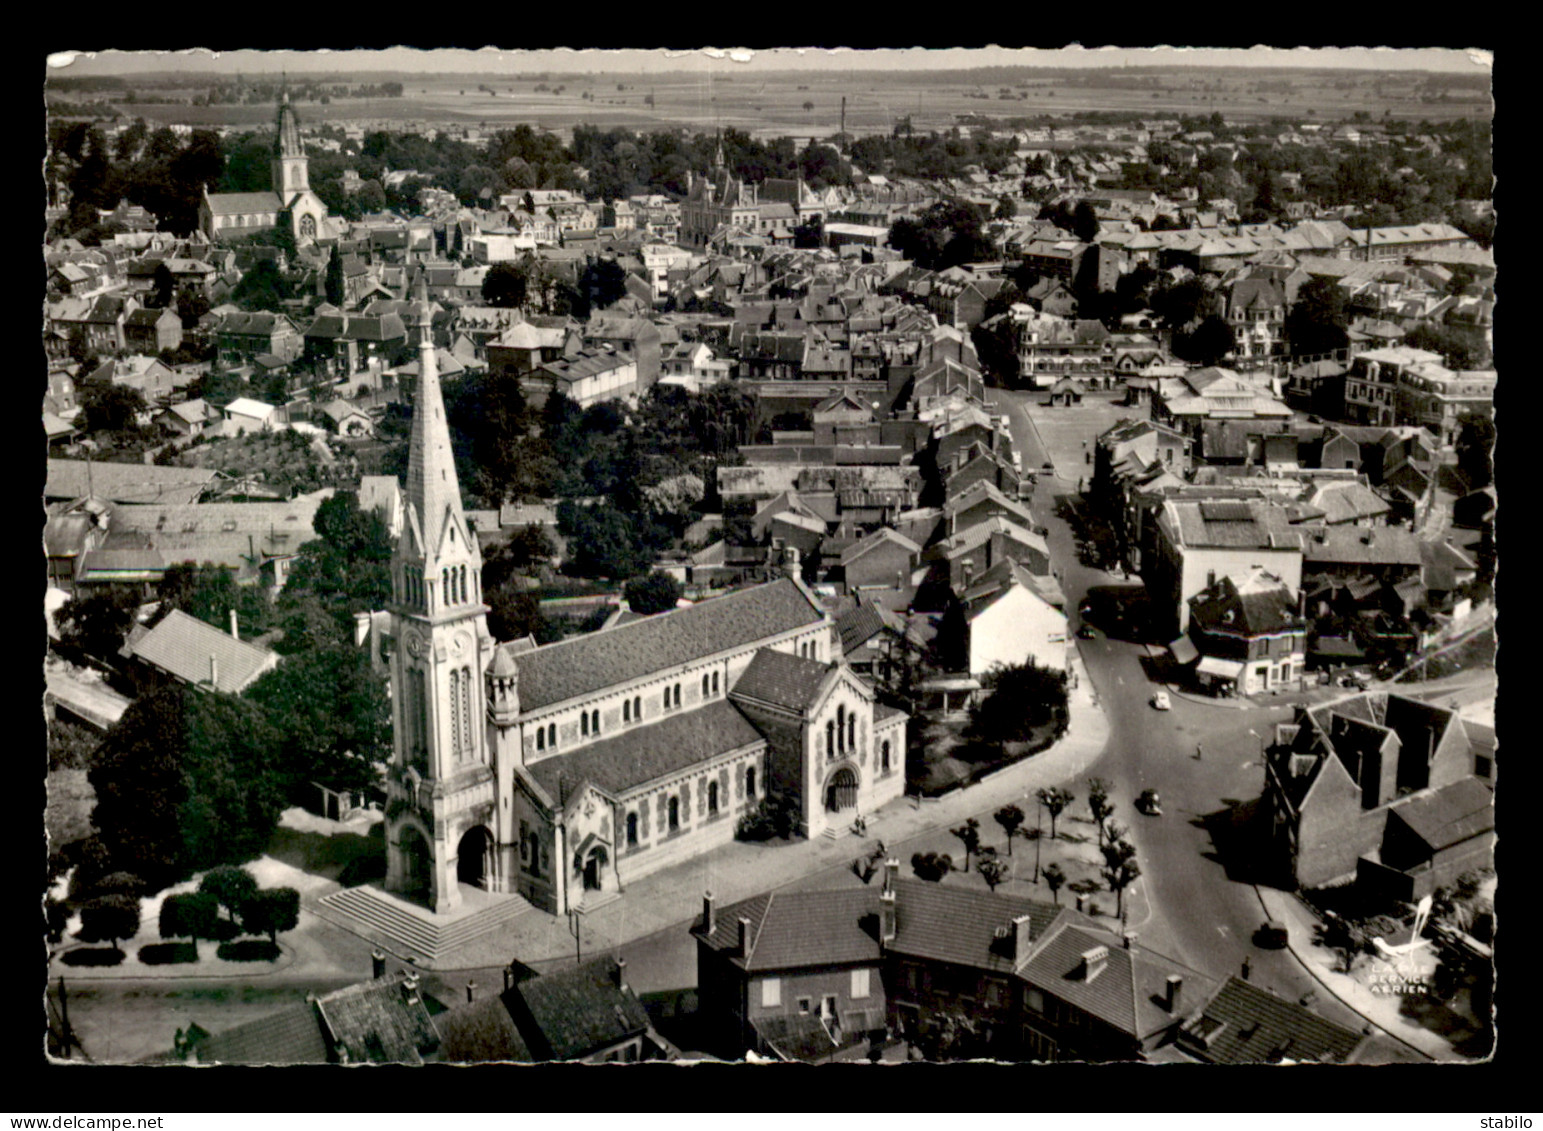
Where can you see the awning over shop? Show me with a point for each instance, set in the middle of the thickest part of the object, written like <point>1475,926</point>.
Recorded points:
<point>1184,650</point>
<point>1220,669</point>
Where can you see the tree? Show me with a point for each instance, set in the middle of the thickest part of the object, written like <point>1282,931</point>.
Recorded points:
<point>1475,444</point>
<point>950,648</point>
<point>969,836</point>
<point>1010,817</point>
<point>1210,343</point>
<point>189,915</point>
<point>111,918</point>
<point>232,887</point>
<point>932,866</point>
<point>334,281</point>
<point>1084,222</point>
<point>991,868</point>
<point>1055,800</point>
<point>1317,321</point>
<point>210,593</point>
<point>656,593</point>
<point>98,624</point>
<point>271,911</point>
<point>1120,870</point>
<point>163,286</point>
<point>107,407</point>
<point>1054,878</point>
<point>604,282</point>
<point>263,287</point>
<point>1099,805</point>
<point>1023,699</point>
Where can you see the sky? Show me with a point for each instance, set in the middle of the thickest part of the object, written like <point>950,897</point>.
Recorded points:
<point>408,60</point>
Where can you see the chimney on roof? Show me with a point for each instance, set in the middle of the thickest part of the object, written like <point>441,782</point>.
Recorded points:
<point>377,963</point>
<point>619,974</point>
<point>1129,939</point>
<point>410,988</point>
<point>888,920</point>
<point>1175,991</point>
<point>709,920</point>
<point>744,938</point>
<point>891,873</point>
<point>1093,962</point>
<point>1022,938</point>
<point>214,671</point>
<point>235,629</point>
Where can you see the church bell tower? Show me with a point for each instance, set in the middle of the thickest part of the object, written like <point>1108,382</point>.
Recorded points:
<point>441,819</point>
<point>290,173</point>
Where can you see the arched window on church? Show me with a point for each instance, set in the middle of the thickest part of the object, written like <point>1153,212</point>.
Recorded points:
<point>541,738</point>
<point>750,783</point>
<point>308,227</point>
<point>852,732</point>
<point>594,722</point>
<point>830,740</point>
<point>584,724</point>
<point>841,729</point>
<point>704,685</point>
<point>715,683</point>
<point>551,736</point>
<point>626,710</point>
<point>637,707</point>
<point>884,758</point>
<point>455,714</point>
<point>632,830</point>
<point>468,741</point>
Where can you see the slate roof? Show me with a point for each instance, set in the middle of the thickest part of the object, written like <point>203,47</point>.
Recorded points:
<point>1247,1024</point>
<point>573,1013</point>
<point>387,327</point>
<point>1348,545</point>
<point>125,482</point>
<point>790,930</point>
<point>644,754</point>
<point>1127,994</point>
<point>183,646</point>
<point>959,925</point>
<point>783,680</point>
<point>379,1022</point>
<point>581,666</point>
<point>1449,815</point>
<point>480,1032</point>
<point>237,203</point>
<point>1235,523</point>
<point>293,1035</point>
<point>858,625</point>
<point>877,538</point>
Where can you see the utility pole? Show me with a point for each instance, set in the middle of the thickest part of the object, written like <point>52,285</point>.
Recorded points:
<point>575,928</point>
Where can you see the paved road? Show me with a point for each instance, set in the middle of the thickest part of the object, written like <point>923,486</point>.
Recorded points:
<point>1196,912</point>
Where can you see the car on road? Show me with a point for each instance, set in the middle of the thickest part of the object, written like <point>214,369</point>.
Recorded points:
<point>1271,935</point>
<point>1087,632</point>
<point>1160,701</point>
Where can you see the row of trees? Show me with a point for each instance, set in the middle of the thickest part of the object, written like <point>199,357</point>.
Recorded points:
<point>1121,868</point>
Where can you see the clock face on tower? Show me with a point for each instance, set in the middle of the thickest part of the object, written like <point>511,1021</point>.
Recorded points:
<point>415,645</point>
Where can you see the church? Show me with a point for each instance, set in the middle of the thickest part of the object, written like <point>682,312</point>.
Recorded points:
<point>290,203</point>
<point>565,771</point>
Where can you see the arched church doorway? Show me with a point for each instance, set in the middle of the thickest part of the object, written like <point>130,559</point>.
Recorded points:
<point>841,793</point>
<point>417,861</point>
<point>594,869</point>
<point>472,857</point>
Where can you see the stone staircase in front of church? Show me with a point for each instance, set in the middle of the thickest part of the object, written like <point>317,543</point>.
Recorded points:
<point>412,931</point>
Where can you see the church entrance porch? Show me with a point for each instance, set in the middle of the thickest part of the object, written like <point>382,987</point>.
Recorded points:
<point>841,793</point>
<point>415,864</point>
<point>594,869</point>
<point>474,864</point>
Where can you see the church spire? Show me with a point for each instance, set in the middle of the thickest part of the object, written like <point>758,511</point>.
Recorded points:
<point>433,492</point>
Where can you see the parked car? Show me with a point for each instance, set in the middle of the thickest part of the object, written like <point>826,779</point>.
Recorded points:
<point>1149,803</point>
<point>1160,701</point>
<point>1087,632</point>
<point>1271,935</point>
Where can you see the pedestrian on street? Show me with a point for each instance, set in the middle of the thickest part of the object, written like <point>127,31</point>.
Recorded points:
<point>1247,969</point>
<point>1197,752</point>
